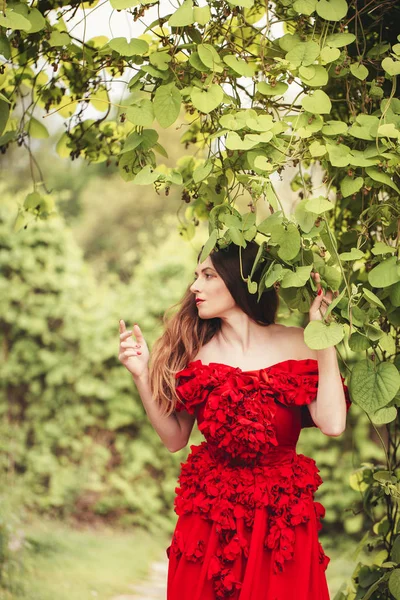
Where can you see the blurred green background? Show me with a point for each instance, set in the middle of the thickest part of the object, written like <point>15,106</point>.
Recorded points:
<point>87,487</point>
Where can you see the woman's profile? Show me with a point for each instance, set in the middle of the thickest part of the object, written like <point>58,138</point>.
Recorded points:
<point>247,526</point>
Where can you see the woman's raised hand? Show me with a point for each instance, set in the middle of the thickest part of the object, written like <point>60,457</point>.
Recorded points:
<point>321,301</point>
<point>134,355</point>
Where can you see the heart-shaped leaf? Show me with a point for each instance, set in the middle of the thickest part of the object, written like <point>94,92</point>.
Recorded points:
<point>167,104</point>
<point>373,386</point>
<point>319,335</point>
<point>359,71</point>
<point>267,89</point>
<point>207,100</point>
<point>385,274</point>
<point>332,10</point>
<point>350,185</point>
<point>125,48</point>
<point>317,103</point>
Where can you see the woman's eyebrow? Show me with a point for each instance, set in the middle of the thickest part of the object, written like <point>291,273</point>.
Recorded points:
<point>205,269</point>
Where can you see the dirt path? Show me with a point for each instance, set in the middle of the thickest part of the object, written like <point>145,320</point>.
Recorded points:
<point>152,588</point>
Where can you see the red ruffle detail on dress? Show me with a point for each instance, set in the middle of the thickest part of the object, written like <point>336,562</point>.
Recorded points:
<point>245,482</point>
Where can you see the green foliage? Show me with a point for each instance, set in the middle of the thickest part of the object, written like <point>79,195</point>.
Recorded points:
<point>342,123</point>
<point>73,426</point>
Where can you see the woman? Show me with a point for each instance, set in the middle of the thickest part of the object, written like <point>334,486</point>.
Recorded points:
<point>247,523</point>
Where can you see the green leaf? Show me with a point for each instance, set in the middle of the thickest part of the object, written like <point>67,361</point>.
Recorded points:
<point>202,172</point>
<point>122,4</point>
<point>332,10</point>
<point>201,14</point>
<point>395,553</point>
<point>36,129</point>
<point>14,21</point>
<point>59,38</point>
<point>329,55</point>
<point>317,149</point>
<point>304,53</point>
<point>392,67</point>
<point>385,273</point>
<point>297,278</point>
<point>388,130</point>
<point>131,48</point>
<point>350,185</point>
<point>334,128</point>
<point>183,15</point>
<point>319,103</point>
<point>359,342</point>
<point>305,7</point>
<point>384,415</point>
<point>146,176</point>
<point>4,115</point>
<point>5,47</point>
<point>319,335</point>
<point>160,60</point>
<point>239,66</point>
<point>207,100</point>
<point>210,57</point>
<point>354,254</point>
<point>338,40</point>
<point>394,294</point>
<point>304,217</point>
<point>145,140</point>
<point>382,177</point>
<point>262,163</point>
<point>234,142</point>
<point>260,122</point>
<point>382,248</point>
<point>234,121</point>
<point>373,298</point>
<point>244,3</point>
<point>141,113</point>
<point>394,584</point>
<point>34,16</point>
<point>267,89</point>
<point>357,158</point>
<point>275,273</point>
<point>167,104</point>
<point>339,154</point>
<point>318,205</point>
<point>289,241</point>
<point>318,78</point>
<point>373,386</point>
<point>209,245</point>
<point>359,71</point>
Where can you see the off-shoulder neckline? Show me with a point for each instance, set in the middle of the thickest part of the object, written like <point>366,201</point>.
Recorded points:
<point>280,363</point>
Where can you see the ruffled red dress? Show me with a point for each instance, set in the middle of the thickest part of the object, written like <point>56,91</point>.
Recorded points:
<point>248,523</point>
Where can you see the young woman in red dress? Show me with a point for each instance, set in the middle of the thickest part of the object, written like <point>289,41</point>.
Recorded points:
<point>247,526</point>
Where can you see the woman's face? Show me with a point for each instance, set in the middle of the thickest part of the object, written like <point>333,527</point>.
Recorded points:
<point>211,288</point>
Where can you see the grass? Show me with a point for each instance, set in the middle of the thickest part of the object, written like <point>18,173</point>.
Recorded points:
<point>62,563</point>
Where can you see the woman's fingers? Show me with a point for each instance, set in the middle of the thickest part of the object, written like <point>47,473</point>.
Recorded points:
<point>125,335</point>
<point>138,333</point>
<point>130,352</point>
<point>130,344</point>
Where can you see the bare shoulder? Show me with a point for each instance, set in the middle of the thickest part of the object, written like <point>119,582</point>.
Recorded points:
<point>293,337</point>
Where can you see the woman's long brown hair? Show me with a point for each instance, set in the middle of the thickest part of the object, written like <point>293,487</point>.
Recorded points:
<point>185,332</point>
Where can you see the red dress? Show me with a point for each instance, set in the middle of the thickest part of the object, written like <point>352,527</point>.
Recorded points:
<point>248,523</point>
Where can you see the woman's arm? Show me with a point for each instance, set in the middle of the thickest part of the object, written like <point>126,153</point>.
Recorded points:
<point>174,430</point>
<point>328,411</point>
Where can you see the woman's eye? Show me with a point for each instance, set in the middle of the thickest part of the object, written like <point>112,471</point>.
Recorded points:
<point>207,275</point>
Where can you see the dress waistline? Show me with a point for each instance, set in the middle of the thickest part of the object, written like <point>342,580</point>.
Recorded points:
<point>274,456</point>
